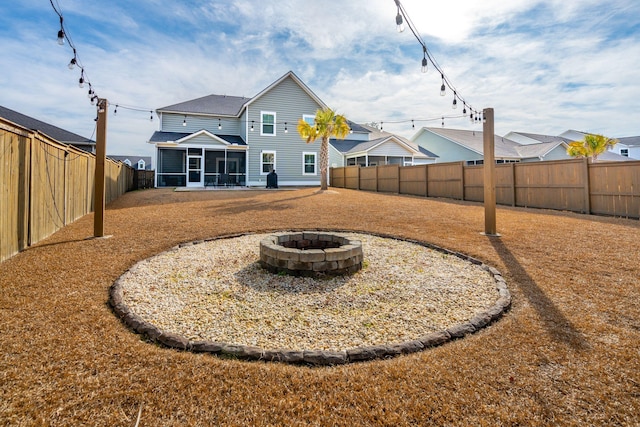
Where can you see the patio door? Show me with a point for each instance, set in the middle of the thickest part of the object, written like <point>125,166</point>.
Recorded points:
<point>195,175</point>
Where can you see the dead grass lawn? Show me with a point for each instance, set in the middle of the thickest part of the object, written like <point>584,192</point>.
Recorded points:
<point>568,352</point>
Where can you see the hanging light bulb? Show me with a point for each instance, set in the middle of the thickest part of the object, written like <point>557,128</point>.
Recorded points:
<point>350,129</point>
<point>399,21</point>
<point>90,93</point>
<point>443,121</point>
<point>464,109</point>
<point>455,101</point>
<point>219,124</point>
<point>443,88</point>
<point>285,128</point>
<point>413,125</point>
<point>115,111</point>
<point>61,37</point>
<point>381,125</point>
<point>184,121</point>
<point>81,80</point>
<point>72,63</point>
<point>151,117</point>
<point>424,59</point>
<point>251,125</point>
<point>471,116</point>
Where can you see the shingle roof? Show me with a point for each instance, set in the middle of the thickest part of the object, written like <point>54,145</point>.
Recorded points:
<point>543,138</point>
<point>356,146</point>
<point>504,148</point>
<point>222,105</point>
<point>631,141</point>
<point>159,136</point>
<point>51,131</point>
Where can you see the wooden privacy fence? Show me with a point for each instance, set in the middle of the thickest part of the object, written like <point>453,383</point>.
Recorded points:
<point>45,185</point>
<point>611,188</point>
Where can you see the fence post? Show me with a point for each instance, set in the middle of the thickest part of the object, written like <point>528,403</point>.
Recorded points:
<point>513,184</point>
<point>426,180</point>
<point>462,179</point>
<point>398,174</point>
<point>587,186</point>
<point>101,148</point>
<point>489,173</point>
<point>376,180</point>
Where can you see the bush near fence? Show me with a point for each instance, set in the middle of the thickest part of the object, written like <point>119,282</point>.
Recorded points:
<point>45,185</point>
<point>602,188</point>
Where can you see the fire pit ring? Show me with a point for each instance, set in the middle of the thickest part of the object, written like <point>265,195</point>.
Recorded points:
<point>310,253</point>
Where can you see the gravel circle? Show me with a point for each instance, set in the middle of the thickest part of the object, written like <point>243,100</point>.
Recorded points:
<point>216,291</point>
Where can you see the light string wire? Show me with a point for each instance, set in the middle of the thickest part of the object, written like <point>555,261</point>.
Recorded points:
<point>402,17</point>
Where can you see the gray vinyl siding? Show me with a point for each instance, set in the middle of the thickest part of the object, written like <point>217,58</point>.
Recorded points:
<point>447,151</point>
<point>336,159</point>
<point>204,141</point>
<point>558,153</point>
<point>390,149</point>
<point>173,123</point>
<point>289,101</point>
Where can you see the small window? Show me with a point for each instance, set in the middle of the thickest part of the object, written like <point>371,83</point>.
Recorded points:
<point>141,164</point>
<point>127,162</point>
<point>309,119</point>
<point>268,126</point>
<point>267,162</point>
<point>309,165</point>
<point>624,152</point>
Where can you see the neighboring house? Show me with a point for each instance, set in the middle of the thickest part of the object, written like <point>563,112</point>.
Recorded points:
<point>136,162</point>
<point>616,154</point>
<point>51,131</point>
<point>231,140</point>
<point>628,147</point>
<point>453,145</point>
<point>368,146</point>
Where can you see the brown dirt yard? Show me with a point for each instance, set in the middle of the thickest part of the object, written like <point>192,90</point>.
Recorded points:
<point>567,353</point>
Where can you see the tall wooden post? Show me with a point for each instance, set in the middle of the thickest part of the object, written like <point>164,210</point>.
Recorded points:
<point>101,154</point>
<point>489,173</point>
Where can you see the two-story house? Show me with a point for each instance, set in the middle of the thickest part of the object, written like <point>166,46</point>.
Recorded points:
<point>231,140</point>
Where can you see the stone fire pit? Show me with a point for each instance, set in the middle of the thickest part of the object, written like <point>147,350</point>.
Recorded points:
<point>310,254</point>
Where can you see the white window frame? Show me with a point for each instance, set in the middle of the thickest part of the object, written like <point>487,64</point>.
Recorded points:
<point>127,162</point>
<point>262,163</point>
<point>309,118</point>
<point>141,164</point>
<point>315,163</point>
<point>262,123</point>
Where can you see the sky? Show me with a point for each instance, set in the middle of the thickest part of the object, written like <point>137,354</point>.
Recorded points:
<point>544,66</point>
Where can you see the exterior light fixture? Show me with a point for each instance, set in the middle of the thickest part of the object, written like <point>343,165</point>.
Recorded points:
<point>455,101</point>
<point>424,59</point>
<point>443,88</point>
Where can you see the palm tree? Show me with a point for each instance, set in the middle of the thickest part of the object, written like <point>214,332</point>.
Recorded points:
<point>327,124</point>
<point>591,146</point>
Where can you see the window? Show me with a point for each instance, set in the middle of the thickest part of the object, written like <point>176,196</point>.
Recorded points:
<point>268,123</point>
<point>309,119</point>
<point>127,162</point>
<point>309,166</point>
<point>267,162</point>
<point>141,164</point>
<point>624,152</point>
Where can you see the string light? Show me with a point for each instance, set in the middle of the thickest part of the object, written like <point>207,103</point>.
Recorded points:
<point>63,35</point>
<point>115,111</point>
<point>151,117</point>
<point>184,121</point>
<point>219,124</point>
<point>251,125</point>
<point>403,17</point>
<point>399,21</point>
<point>285,128</point>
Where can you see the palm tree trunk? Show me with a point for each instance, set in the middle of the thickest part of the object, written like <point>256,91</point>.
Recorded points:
<point>324,162</point>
